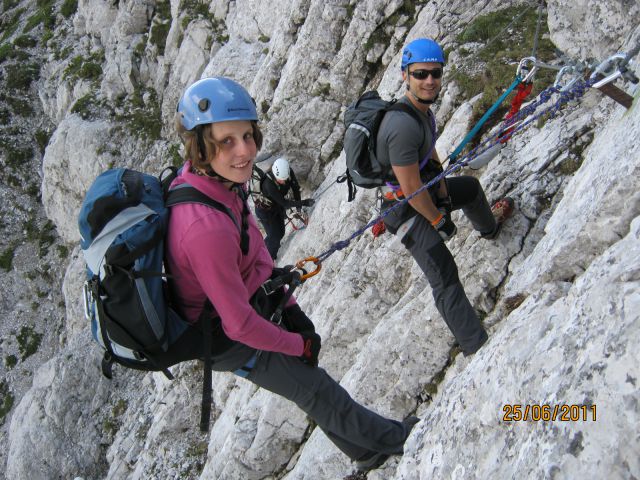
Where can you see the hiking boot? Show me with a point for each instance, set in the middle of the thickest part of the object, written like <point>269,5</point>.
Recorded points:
<point>501,210</point>
<point>374,460</point>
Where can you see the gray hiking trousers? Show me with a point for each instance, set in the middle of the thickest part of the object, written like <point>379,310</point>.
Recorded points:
<point>436,261</point>
<point>354,429</point>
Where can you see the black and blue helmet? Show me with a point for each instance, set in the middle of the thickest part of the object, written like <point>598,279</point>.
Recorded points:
<point>213,100</point>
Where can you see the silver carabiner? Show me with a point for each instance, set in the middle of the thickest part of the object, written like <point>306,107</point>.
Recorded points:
<point>609,69</point>
<point>566,70</point>
<point>522,66</point>
<point>89,303</point>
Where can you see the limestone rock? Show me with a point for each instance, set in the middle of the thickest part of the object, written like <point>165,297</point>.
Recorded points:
<point>558,289</point>
<point>71,163</point>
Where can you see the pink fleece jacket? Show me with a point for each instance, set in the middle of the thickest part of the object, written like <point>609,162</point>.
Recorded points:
<point>204,257</point>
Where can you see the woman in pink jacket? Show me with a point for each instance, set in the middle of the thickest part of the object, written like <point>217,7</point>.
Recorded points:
<point>220,259</point>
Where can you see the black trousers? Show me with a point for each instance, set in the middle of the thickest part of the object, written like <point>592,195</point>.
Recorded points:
<point>273,222</point>
<point>437,263</point>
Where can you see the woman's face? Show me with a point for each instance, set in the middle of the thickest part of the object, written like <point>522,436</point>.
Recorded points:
<point>236,150</point>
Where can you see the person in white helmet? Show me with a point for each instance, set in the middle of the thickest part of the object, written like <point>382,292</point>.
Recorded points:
<point>271,203</point>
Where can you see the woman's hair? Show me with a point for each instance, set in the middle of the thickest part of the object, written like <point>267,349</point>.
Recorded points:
<point>190,140</point>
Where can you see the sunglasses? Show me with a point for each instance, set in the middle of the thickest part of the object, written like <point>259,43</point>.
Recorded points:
<point>436,73</point>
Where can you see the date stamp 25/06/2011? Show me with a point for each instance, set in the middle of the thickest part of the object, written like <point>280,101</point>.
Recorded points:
<point>515,412</point>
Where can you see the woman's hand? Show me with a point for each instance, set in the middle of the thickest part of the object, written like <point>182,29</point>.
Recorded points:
<point>296,321</point>
<point>312,345</point>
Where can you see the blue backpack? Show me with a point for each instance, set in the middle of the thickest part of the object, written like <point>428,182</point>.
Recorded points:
<point>122,222</point>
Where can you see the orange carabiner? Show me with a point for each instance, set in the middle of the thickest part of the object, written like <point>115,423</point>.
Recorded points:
<point>301,263</point>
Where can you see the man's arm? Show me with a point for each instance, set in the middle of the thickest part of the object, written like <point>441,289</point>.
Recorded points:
<point>272,192</point>
<point>408,177</point>
<point>442,188</point>
<point>295,186</point>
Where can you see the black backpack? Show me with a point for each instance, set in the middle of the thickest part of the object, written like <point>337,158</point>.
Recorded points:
<point>362,119</point>
<point>122,222</point>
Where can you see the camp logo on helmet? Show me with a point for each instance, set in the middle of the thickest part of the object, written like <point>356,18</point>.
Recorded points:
<point>238,110</point>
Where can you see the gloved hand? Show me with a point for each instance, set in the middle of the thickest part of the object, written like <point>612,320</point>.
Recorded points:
<point>444,205</point>
<point>445,227</point>
<point>296,321</point>
<point>378,229</point>
<point>312,344</point>
<point>308,202</point>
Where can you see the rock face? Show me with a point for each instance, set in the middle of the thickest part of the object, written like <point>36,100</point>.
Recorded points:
<point>559,289</point>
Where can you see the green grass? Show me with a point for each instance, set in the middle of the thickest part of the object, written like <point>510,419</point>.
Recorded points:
<point>175,151</point>
<point>25,41</point>
<point>199,449</point>
<point>9,4</point>
<point>6,401</point>
<point>19,105</point>
<point>28,341</point>
<point>44,15</point>
<point>89,68</point>
<point>196,8</point>
<point>20,76</point>
<point>9,26</point>
<point>10,361</point>
<point>46,36</point>
<point>17,157</point>
<point>42,139</point>
<point>119,408</point>
<point>159,33</point>
<point>6,51</point>
<point>143,120</point>
<point>86,106</point>
<point>46,238</point>
<point>500,56</point>
<point>63,251</point>
<point>6,258</point>
<point>68,8</point>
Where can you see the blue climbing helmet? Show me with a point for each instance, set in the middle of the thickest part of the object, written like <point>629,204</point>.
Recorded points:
<point>213,100</point>
<point>422,50</point>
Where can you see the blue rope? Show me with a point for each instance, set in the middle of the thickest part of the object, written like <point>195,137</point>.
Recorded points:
<point>484,118</point>
<point>576,92</point>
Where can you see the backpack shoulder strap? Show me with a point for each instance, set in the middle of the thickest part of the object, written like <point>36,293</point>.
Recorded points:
<point>259,171</point>
<point>258,176</point>
<point>185,193</point>
<point>403,107</point>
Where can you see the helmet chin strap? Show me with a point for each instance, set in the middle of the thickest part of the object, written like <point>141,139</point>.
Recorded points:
<point>421,100</point>
<point>203,153</point>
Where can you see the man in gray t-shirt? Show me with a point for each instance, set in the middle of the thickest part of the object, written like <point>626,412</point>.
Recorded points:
<point>425,221</point>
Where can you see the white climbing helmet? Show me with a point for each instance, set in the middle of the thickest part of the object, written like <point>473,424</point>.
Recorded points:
<point>280,169</point>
